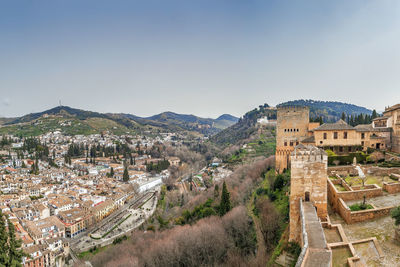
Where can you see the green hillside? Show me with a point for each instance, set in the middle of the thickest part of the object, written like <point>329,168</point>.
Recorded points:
<point>77,121</point>
<point>330,111</point>
<point>69,126</point>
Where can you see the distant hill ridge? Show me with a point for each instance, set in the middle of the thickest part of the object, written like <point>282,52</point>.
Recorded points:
<point>167,120</point>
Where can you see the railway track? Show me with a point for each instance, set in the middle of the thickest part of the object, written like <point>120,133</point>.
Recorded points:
<point>142,200</point>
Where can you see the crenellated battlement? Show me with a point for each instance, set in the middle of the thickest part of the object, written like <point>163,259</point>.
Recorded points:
<point>309,153</point>
<point>293,108</point>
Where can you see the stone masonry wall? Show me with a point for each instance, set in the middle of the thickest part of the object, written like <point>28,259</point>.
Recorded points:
<point>334,195</point>
<point>308,179</point>
<point>291,128</point>
<point>391,188</point>
<point>362,215</point>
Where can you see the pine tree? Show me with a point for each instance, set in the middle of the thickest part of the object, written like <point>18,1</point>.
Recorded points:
<point>225,204</point>
<point>112,172</point>
<point>125,176</point>
<point>14,253</point>
<point>3,242</point>
<point>11,253</point>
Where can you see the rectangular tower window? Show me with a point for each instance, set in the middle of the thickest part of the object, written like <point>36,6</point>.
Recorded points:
<point>345,135</point>
<point>335,135</point>
<point>325,136</point>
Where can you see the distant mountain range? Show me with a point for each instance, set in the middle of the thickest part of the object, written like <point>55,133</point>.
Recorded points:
<point>77,121</point>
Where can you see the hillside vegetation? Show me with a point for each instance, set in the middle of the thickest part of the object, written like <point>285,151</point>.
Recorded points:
<point>244,129</point>
<point>77,121</point>
<point>330,111</point>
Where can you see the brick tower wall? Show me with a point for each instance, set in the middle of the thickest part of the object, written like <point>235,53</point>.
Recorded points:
<point>291,128</point>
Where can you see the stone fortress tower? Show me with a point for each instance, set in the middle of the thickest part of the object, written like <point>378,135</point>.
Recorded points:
<point>309,166</point>
<point>292,127</point>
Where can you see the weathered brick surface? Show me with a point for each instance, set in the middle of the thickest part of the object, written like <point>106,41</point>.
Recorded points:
<point>291,128</point>
<point>308,180</point>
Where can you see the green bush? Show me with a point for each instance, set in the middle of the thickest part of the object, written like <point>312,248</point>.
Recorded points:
<point>120,239</point>
<point>347,159</point>
<point>330,153</point>
<point>360,206</point>
<point>395,213</point>
<point>389,164</point>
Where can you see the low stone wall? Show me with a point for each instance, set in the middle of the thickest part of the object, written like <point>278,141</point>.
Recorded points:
<point>342,170</point>
<point>379,171</point>
<point>334,195</point>
<point>367,169</point>
<point>394,175</point>
<point>346,185</point>
<point>362,215</point>
<point>368,186</point>
<point>391,188</point>
<point>304,239</point>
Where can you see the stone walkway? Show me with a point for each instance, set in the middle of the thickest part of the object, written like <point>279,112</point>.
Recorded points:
<point>319,255</point>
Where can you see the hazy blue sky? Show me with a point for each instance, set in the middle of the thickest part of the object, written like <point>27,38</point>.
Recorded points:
<point>200,57</point>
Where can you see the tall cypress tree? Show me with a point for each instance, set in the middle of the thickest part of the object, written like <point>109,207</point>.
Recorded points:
<point>225,204</point>
<point>374,114</point>
<point>125,176</point>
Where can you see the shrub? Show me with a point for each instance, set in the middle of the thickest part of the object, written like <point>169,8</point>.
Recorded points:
<point>151,228</point>
<point>389,164</point>
<point>347,159</point>
<point>360,206</point>
<point>293,248</point>
<point>396,215</point>
<point>330,153</point>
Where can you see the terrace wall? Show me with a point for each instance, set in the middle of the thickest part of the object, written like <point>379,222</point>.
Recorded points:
<point>362,215</point>
<point>368,169</point>
<point>379,171</point>
<point>334,195</point>
<point>391,188</point>
<point>342,170</point>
